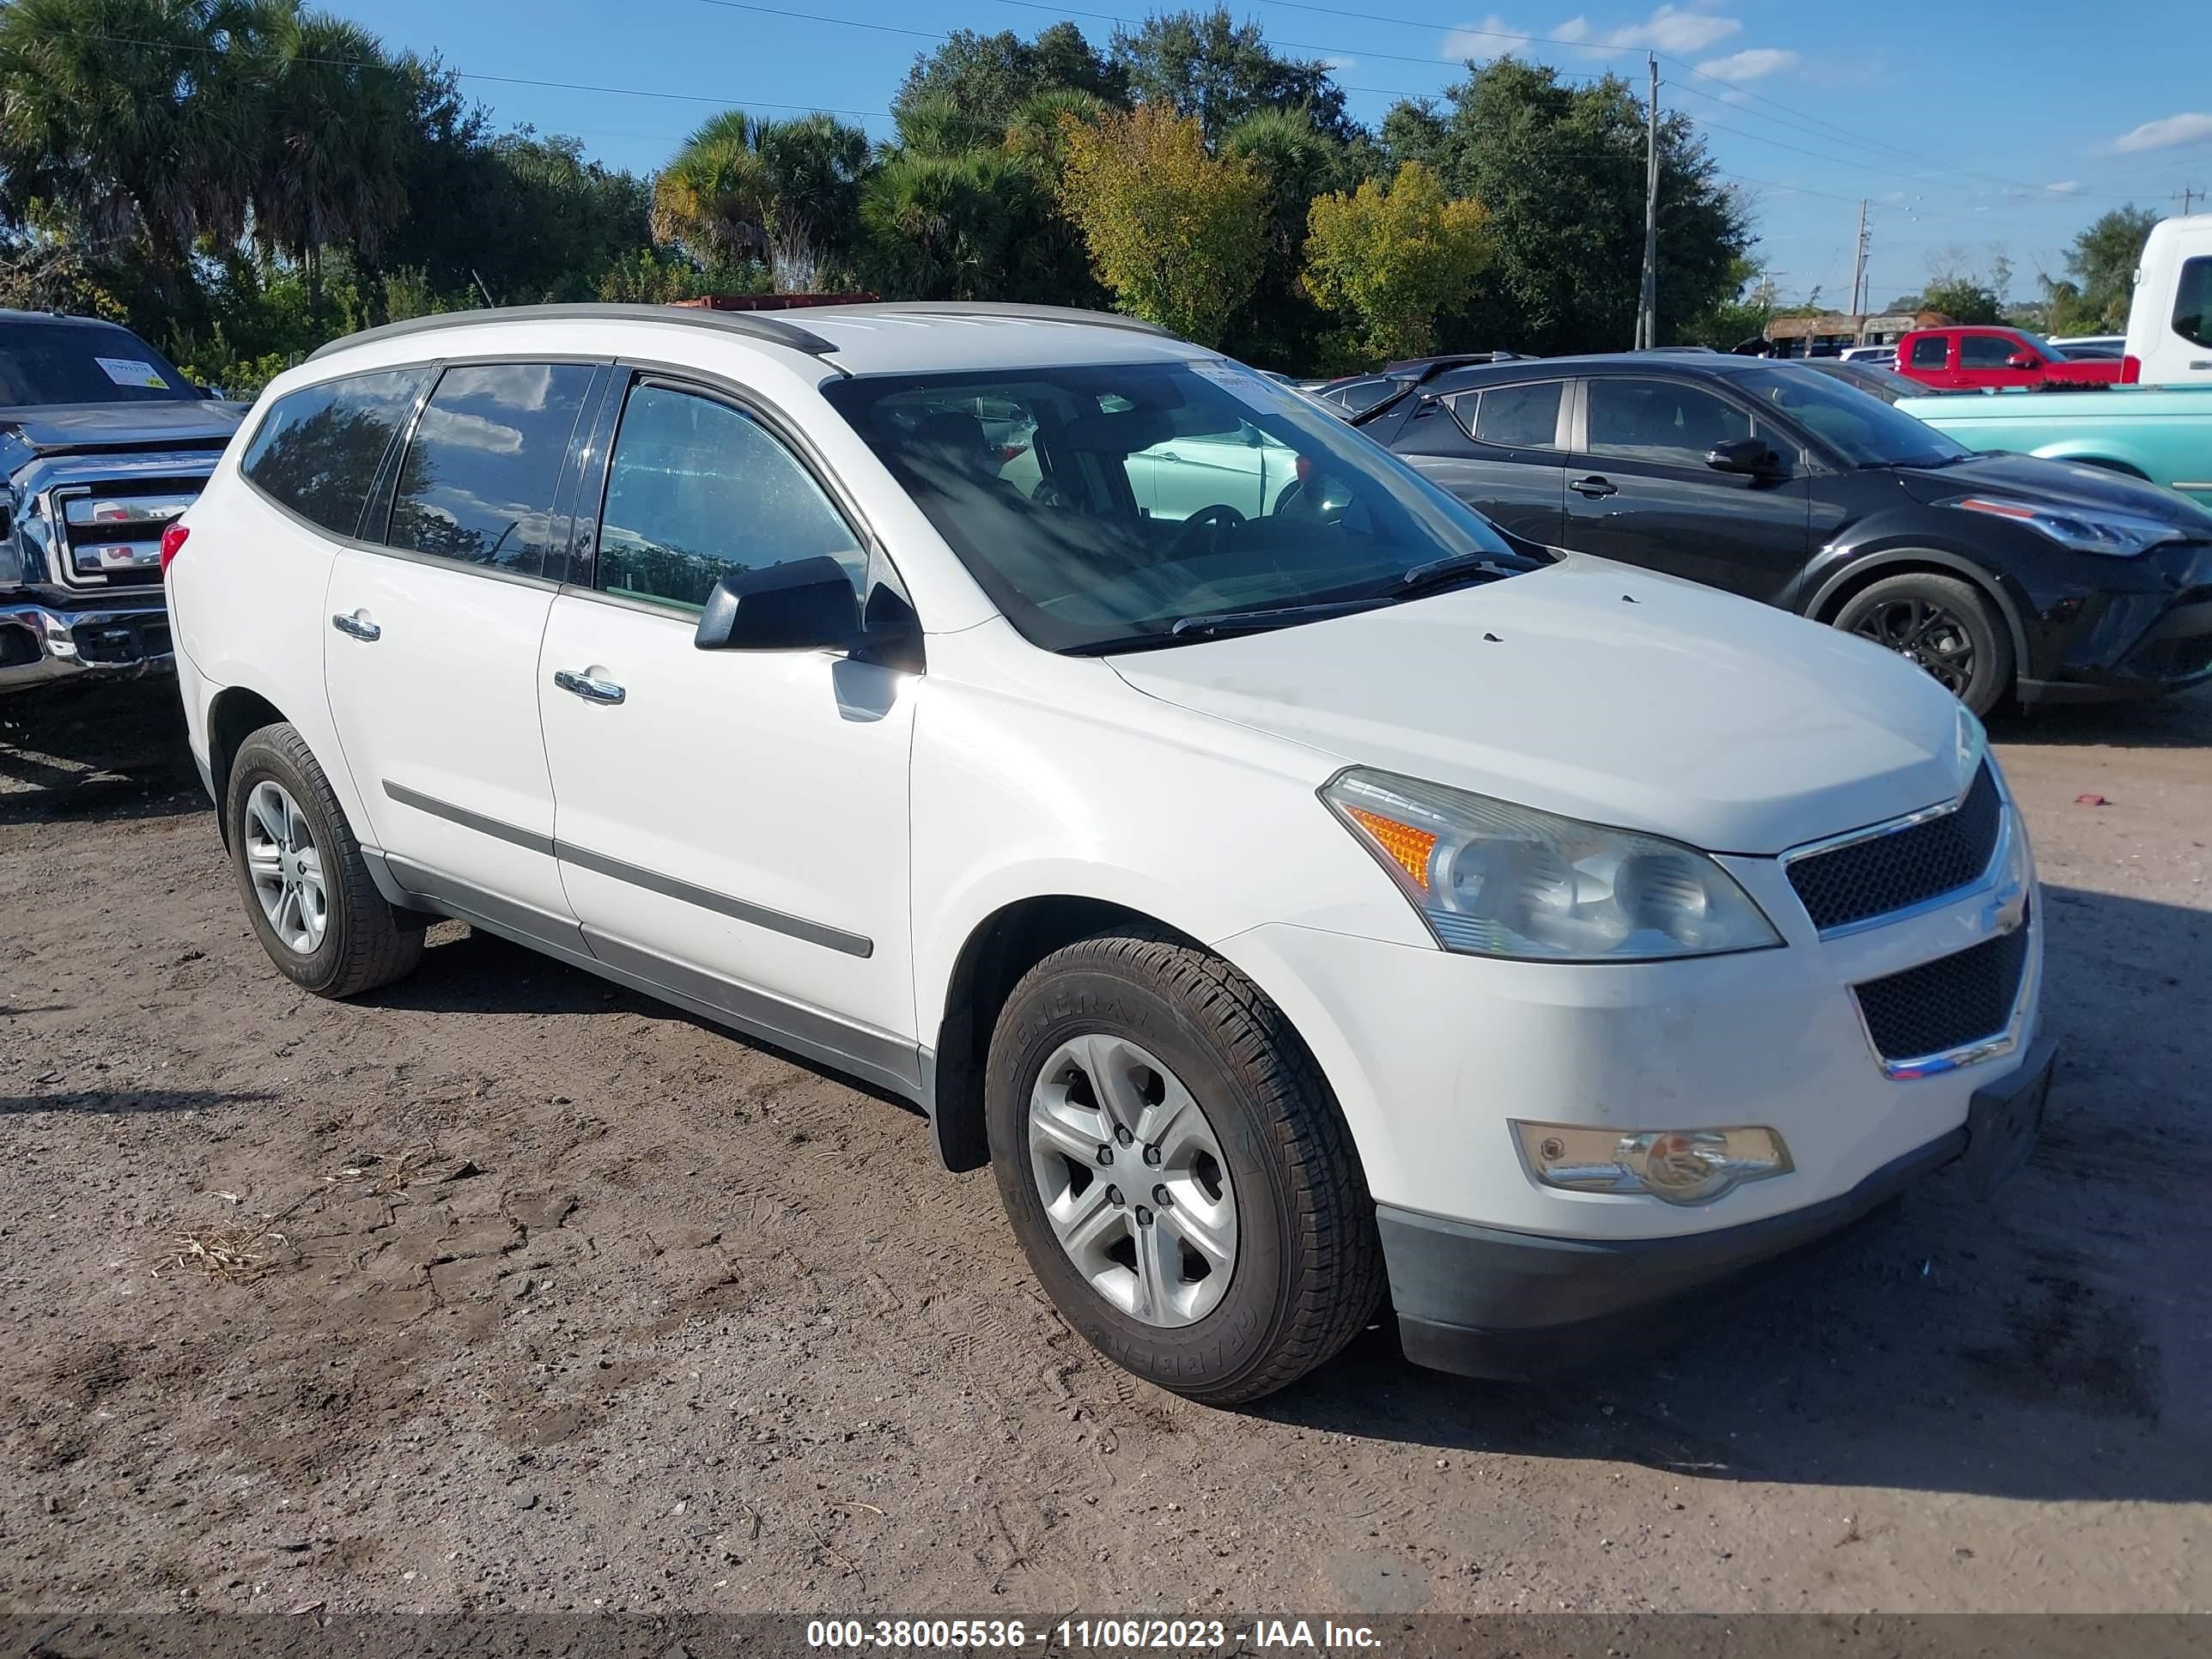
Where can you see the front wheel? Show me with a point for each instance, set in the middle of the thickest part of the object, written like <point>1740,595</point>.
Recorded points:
<point>307,889</point>
<point>1946,626</point>
<point>1176,1169</point>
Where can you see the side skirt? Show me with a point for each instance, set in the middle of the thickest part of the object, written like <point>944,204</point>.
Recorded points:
<point>883,1062</point>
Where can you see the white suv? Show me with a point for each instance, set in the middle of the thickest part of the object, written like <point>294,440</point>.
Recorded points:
<point>1282,899</point>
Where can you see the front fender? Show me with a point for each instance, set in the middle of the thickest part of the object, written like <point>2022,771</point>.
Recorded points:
<point>1871,549</point>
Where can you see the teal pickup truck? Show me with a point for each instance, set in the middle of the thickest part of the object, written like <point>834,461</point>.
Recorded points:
<point>2163,433</point>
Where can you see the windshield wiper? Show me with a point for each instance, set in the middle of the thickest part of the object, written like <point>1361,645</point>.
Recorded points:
<point>1189,630</point>
<point>1461,567</point>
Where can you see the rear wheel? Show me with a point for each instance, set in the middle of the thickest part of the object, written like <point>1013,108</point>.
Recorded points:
<point>1176,1169</point>
<point>1945,626</point>
<point>307,889</point>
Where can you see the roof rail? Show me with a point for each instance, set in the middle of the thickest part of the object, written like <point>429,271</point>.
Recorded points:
<point>1010,311</point>
<point>760,325</point>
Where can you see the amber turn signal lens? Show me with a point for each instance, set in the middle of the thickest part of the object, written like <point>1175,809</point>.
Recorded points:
<point>1408,847</point>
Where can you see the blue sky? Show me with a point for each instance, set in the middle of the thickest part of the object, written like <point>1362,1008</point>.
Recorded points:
<point>1972,126</point>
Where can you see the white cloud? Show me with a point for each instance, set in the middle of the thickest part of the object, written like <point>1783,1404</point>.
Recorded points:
<point>1670,28</point>
<point>1483,40</point>
<point>2064,187</point>
<point>1749,65</point>
<point>2165,135</point>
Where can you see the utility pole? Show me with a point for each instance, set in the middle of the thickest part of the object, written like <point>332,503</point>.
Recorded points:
<point>1647,309</point>
<point>2187,195</point>
<point>1858,267</point>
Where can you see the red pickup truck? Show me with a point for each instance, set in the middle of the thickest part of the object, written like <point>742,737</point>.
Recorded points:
<point>1967,359</point>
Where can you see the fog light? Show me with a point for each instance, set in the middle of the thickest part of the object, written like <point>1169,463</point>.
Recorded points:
<point>1681,1166</point>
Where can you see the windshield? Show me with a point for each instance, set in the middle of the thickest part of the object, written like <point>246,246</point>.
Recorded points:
<point>69,362</point>
<point>1100,506</point>
<point>1867,431</point>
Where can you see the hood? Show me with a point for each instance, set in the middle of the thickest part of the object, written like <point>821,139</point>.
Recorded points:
<point>74,428</point>
<point>2074,484</point>
<point>1603,692</point>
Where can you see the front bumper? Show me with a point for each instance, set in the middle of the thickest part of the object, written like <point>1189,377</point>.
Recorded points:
<point>44,644</point>
<point>2141,641</point>
<point>1483,1301</point>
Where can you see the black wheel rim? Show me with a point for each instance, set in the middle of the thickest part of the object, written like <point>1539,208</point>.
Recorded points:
<point>1922,631</point>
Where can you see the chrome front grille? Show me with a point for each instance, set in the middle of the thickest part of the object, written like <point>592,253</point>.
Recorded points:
<point>113,533</point>
<point>1873,875</point>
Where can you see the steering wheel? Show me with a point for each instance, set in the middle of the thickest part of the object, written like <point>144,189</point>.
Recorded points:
<point>1211,519</point>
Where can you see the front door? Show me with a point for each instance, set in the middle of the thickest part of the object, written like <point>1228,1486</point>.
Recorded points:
<point>731,824</point>
<point>1638,489</point>
<point>431,644</point>
<point>1986,361</point>
<point>1498,449</point>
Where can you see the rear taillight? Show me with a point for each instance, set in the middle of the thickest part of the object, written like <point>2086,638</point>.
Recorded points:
<point>173,542</point>
<point>2130,370</point>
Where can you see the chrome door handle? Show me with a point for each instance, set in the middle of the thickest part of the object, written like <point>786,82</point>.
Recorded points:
<point>359,626</point>
<point>1594,488</point>
<point>589,689</point>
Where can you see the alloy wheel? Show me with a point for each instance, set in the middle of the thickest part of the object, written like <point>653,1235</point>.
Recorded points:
<point>287,867</point>
<point>1132,1180</point>
<point>1924,633</point>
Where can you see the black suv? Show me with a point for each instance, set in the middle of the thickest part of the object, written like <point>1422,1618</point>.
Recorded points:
<point>1997,574</point>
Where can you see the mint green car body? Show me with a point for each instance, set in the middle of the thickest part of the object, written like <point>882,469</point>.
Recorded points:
<point>2162,434</point>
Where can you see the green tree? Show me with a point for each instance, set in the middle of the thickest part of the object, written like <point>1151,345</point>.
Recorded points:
<point>985,77</point>
<point>1389,259</point>
<point>1963,299</point>
<point>2102,263</point>
<point>1207,65</point>
<point>955,212</point>
<point>743,186</point>
<point>1178,233</point>
<point>1560,171</point>
<point>329,137</point>
<point>1281,326</point>
<point>99,128</point>
<point>1742,315</point>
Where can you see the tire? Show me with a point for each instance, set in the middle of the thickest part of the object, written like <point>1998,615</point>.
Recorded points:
<point>362,942</point>
<point>1305,1269</point>
<point>1946,626</point>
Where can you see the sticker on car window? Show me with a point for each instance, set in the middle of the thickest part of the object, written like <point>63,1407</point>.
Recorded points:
<point>132,371</point>
<point>1241,383</point>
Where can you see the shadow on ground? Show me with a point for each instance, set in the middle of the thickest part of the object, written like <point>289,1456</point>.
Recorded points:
<point>2184,721</point>
<point>118,1102</point>
<point>2051,1344</point>
<point>106,751</point>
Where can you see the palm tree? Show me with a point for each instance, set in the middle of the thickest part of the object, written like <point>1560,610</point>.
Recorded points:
<point>743,186</point>
<point>126,116</point>
<point>331,137</point>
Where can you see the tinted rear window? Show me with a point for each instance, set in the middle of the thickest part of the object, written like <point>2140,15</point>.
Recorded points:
<point>2193,302</point>
<point>83,363</point>
<point>478,481</point>
<point>318,449</point>
<point>1931,352</point>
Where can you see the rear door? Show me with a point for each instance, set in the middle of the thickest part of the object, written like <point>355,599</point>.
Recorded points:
<point>1501,449</point>
<point>1928,359</point>
<point>1638,489</point>
<point>431,647</point>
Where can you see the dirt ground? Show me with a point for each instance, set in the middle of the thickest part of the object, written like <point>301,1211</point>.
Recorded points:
<point>541,1295</point>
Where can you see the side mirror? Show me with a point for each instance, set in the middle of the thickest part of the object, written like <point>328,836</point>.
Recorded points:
<point>1750,456</point>
<point>2023,360</point>
<point>805,605</point>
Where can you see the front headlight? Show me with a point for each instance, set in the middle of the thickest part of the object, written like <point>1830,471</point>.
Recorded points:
<point>2116,535</point>
<point>1494,879</point>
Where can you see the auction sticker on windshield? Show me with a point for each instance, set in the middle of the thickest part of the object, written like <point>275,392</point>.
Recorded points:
<point>130,371</point>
